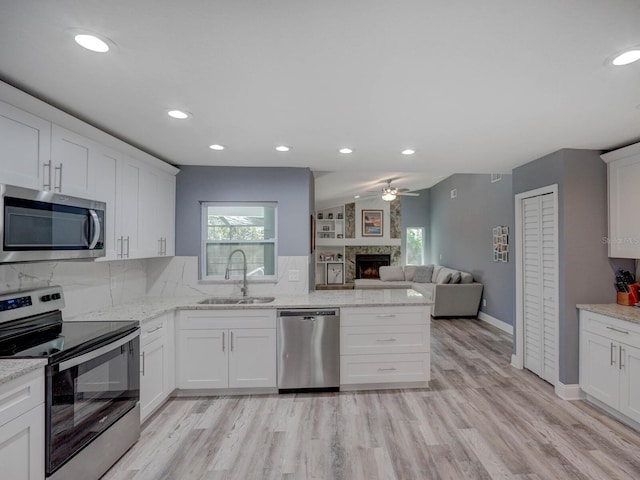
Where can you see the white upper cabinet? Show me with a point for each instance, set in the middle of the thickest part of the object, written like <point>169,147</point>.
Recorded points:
<point>624,196</point>
<point>71,162</point>
<point>25,142</point>
<point>139,192</point>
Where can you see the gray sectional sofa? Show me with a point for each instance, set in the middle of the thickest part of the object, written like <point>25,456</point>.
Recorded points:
<point>453,293</point>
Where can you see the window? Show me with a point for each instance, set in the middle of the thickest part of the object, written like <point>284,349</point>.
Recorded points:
<point>415,246</point>
<point>250,227</point>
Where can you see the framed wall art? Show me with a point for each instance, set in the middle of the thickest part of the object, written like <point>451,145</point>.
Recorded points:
<point>500,244</point>
<point>372,223</point>
<point>335,273</point>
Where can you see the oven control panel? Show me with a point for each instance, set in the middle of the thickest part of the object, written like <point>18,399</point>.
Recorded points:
<point>17,302</point>
<point>25,303</point>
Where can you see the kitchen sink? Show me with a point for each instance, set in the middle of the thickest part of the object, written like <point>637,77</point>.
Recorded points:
<point>236,300</point>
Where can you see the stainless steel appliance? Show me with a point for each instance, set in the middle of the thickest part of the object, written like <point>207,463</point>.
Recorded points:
<point>308,350</point>
<point>39,225</point>
<point>92,381</point>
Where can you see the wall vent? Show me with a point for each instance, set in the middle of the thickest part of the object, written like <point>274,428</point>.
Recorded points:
<point>454,193</point>
<point>496,177</point>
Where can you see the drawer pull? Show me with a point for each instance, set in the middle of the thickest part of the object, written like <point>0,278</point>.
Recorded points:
<point>613,355</point>
<point>142,371</point>
<point>386,340</point>
<point>222,342</point>
<point>388,315</point>
<point>155,329</point>
<point>620,364</point>
<point>387,369</point>
<point>618,330</point>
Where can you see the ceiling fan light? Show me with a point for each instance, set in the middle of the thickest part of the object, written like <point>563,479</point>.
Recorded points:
<point>388,196</point>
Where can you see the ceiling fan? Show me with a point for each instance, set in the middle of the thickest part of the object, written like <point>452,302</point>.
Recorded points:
<point>390,193</point>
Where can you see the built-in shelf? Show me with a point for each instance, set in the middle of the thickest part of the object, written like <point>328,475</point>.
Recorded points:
<point>330,247</point>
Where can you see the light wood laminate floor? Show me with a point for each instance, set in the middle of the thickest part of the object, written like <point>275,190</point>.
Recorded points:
<point>480,419</point>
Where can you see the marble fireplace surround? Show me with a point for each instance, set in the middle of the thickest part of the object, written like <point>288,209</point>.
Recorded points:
<point>350,257</point>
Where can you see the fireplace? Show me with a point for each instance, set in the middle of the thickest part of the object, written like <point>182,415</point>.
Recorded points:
<point>367,265</point>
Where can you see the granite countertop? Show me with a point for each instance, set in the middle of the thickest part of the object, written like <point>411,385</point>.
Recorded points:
<point>150,307</point>
<point>10,369</point>
<point>622,312</point>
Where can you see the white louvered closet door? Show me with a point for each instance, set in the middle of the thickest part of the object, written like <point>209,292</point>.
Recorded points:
<point>540,284</point>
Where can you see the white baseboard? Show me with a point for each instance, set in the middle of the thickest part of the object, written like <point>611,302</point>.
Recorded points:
<point>505,327</point>
<point>569,392</point>
<point>514,362</point>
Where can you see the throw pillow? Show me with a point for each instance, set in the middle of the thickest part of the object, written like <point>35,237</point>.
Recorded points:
<point>456,277</point>
<point>444,278</point>
<point>423,274</point>
<point>391,274</point>
<point>409,271</point>
<point>466,278</point>
<point>436,271</point>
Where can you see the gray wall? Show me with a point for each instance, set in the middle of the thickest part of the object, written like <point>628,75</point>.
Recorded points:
<point>287,186</point>
<point>461,235</point>
<point>415,213</point>
<point>586,274</point>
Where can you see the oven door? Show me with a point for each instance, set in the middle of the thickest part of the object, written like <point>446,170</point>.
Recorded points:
<point>87,394</point>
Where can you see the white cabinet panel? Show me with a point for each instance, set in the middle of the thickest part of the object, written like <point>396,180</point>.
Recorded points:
<point>26,148</point>
<point>252,358</point>
<point>166,208</point>
<point>599,369</point>
<point>211,355</point>
<point>630,381</point>
<point>104,185</point>
<point>385,345</point>
<point>153,389</point>
<point>388,368</point>
<point>202,359</point>
<point>610,362</point>
<point>128,221</point>
<point>624,178</point>
<point>22,427</point>
<point>71,162</point>
<point>22,446</point>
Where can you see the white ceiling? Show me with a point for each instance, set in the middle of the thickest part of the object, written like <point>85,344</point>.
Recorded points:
<point>473,86</point>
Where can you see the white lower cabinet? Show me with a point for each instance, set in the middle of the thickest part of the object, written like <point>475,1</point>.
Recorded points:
<point>226,349</point>
<point>157,374</point>
<point>610,362</point>
<point>385,345</point>
<point>22,428</point>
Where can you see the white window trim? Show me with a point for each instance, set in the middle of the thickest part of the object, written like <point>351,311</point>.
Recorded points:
<point>235,275</point>
<point>424,240</point>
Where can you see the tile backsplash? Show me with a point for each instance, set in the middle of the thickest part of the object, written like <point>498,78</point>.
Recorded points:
<point>96,285</point>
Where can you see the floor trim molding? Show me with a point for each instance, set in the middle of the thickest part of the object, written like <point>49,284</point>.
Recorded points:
<point>504,326</point>
<point>569,392</point>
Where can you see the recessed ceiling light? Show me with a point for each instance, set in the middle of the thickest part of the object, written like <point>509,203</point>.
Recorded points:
<point>356,196</point>
<point>408,151</point>
<point>91,42</point>
<point>627,57</point>
<point>345,150</point>
<point>283,148</point>
<point>179,114</point>
<point>215,146</point>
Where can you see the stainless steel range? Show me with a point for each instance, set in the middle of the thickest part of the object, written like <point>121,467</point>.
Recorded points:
<point>92,384</point>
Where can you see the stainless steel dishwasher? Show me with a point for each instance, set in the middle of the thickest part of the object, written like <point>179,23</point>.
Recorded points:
<point>308,350</point>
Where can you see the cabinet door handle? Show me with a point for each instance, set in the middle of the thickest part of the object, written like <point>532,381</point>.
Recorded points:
<point>59,187</point>
<point>621,356</point>
<point>142,372</point>
<point>618,330</point>
<point>222,342</point>
<point>119,247</point>
<point>386,340</point>
<point>231,334</point>
<point>127,246</point>
<point>388,315</point>
<point>613,354</point>
<point>46,186</point>
<point>387,369</point>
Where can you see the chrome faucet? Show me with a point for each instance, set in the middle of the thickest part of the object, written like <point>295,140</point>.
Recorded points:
<point>245,288</point>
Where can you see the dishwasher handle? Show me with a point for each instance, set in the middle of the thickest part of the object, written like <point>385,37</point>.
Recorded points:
<point>306,313</point>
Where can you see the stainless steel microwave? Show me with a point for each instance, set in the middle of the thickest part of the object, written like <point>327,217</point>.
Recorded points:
<point>39,225</point>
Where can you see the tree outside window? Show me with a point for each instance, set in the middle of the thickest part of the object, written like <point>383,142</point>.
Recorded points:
<point>415,246</point>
